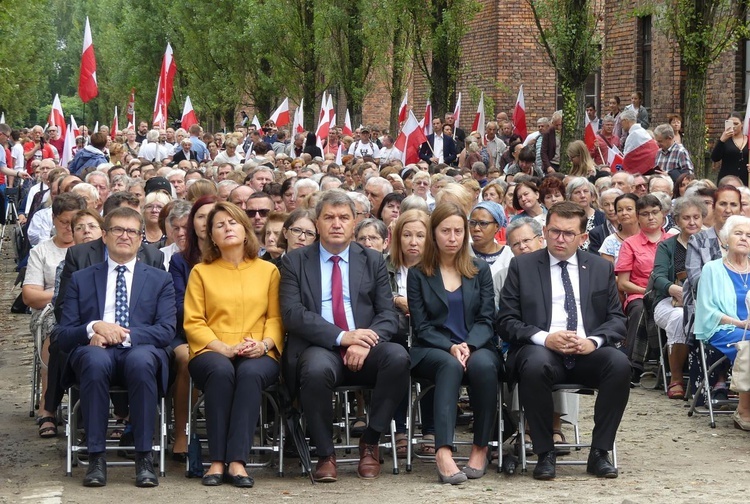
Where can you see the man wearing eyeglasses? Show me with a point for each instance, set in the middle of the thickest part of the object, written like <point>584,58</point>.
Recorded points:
<point>562,321</point>
<point>118,336</point>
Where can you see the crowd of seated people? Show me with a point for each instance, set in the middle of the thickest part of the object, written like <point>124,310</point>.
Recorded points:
<point>286,266</point>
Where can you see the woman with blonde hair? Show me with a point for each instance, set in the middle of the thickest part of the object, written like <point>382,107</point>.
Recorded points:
<point>583,164</point>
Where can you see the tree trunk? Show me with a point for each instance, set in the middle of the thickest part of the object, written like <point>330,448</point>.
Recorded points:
<point>574,98</point>
<point>397,76</point>
<point>309,63</point>
<point>694,138</point>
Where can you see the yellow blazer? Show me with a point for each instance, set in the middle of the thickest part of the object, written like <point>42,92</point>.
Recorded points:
<point>228,303</point>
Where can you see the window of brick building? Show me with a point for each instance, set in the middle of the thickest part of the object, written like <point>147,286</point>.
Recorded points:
<point>742,74</point>
<point>644,68</point>
<point>593,92</point>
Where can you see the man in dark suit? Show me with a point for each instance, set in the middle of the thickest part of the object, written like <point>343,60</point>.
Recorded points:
<point>337,308</point>
<point>119,317</point>
<point>438,148</point>
<point>562,321</point>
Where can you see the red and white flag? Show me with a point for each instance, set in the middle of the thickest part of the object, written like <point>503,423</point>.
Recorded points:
<point>746,122</point>
<point>589,135</point>
<point>255,122</point>
<point>404,108</point>
<point>329,107</point>
<point>614,158</point>
<point>325,119</point>
<point>188,115</point>
<point>115,125</point>
<point>410,140</point>
<point>332,124</point>
<point>70,141</point>
<point>322,113</point>
<point>519,115</point>
<point>56,117</point>
<point>478,124</point>
<point>457,112</point>
<point>74,127</point>
<point>280,116</point>
<point>426,122</point>
<point>88,88</point>
<point>299,118</point>
<point>347,128</point>
<point>639,153</point>
<point>165,88</point>
<point>339,156</point>
<point>2,118</point>
<point>131,109</point>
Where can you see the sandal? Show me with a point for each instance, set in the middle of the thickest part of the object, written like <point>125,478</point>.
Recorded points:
<point>50,431</point>
<point>402,444</point>
<point>675,390</point>
<point>427,445</point>
<point>560,451</point>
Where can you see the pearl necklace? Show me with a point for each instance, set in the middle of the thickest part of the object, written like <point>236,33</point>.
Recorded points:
<point>746,272</point>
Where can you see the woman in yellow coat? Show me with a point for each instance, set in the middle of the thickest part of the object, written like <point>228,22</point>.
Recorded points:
<point>234,330</point>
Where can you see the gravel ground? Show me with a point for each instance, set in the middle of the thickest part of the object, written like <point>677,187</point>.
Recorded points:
<point>664,457</point>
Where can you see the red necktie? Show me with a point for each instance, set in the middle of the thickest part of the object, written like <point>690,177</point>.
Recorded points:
<point>337,299</point>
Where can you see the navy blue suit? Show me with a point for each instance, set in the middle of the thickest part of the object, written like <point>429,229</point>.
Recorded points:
<point>450,152</point>
<point>143,368</point>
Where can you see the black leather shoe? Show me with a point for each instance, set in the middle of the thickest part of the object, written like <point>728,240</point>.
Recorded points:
<point>96,475</point>
<point>239,481</point>
<point>545,467</point>
<point>599,464</point>
<point>145,476</point>
<point>215,479</point>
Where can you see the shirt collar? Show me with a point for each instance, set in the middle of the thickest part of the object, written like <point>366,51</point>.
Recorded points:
<point>111,265</point>
<point>571,260</point>
<point>325,256</point>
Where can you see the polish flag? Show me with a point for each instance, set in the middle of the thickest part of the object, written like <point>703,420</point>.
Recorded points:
<point>325,120</point>
<point>74,127</point>
<point>188,115</point>
<point>614,158</point>
<point>404,108</point>
<point>2,118</point>
<point>115,125</point>
<point>457,112</point>
<point>87,85</point>
<point>255,122</point>
<point>332,124</point>
<point>347,129</point>
<point>322,114</point>
<point>165,88</point>
<point>56,117</point>
<point>339,156</point>
<point>639,153</point>
<point>299,118</point>
<point>426,122</point>
<point>589,135</point>
<point>281,114</point>
<point>519,115</point>
<point>478,124</point>
<point>410,140</point>
<point>70,141</point>
<point>131,109</point>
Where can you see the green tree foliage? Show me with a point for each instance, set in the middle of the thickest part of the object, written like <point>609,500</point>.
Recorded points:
<point>568,31</point>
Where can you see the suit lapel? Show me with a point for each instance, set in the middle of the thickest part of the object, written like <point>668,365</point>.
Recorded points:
<point>436,284</point>
<point>584,284</point>
<point>311,266</point>
<point>139,281</point>
<point>357,263</point>
<point>545,280</point>
<point>96,252</point>
<point>100,283</point>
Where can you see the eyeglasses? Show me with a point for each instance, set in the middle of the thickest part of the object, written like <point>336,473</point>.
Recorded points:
<point>263,212</point>
<point>309,235</point>
<point>525,242</point>
<point>568,236</point>
<point>481,223</point>
<point>152,208</point>
<point>119,231</point>
<point>91,226</point>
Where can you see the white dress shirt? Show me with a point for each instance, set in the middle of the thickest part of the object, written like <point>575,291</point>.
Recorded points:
<point>109,299</point>
<point>437,147</point>
<point>559,318</point>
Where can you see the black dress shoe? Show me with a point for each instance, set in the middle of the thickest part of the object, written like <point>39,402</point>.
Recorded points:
<point>545,467</point>
<point>145,476</point>
<point>599,464</point>
<point>96,475</point>
<point>239,481</point>
<point>215,479</point>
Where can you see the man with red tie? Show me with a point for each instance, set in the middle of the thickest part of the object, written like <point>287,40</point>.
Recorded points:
<point>337,308</point>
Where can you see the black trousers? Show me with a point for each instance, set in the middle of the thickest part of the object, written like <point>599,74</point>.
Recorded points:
<point>537,368</point>
<point>447,374</point>
<point>136,369</point>
<point>232,390</point>
<point>320,371</point>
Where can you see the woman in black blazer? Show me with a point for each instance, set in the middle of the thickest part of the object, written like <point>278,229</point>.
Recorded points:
<point>452,307</point>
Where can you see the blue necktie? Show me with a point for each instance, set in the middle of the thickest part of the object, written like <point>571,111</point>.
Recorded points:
<point>122,313</point>
<point>570,309</point>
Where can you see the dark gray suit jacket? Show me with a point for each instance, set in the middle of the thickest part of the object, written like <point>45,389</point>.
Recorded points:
<point>428,307</point>
<point>526,299</point>
<point>300,296</point>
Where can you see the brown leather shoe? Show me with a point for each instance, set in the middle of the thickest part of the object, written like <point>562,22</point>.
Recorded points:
<point>325,469</point>
<point>369,461</point>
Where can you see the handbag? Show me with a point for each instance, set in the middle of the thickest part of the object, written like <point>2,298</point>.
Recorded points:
<point>741,367</point>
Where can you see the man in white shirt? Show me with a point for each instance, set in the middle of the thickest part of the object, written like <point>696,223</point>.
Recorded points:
<point>364,147</point>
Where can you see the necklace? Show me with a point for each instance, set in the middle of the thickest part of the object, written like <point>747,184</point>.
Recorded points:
<point>746,272</point>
